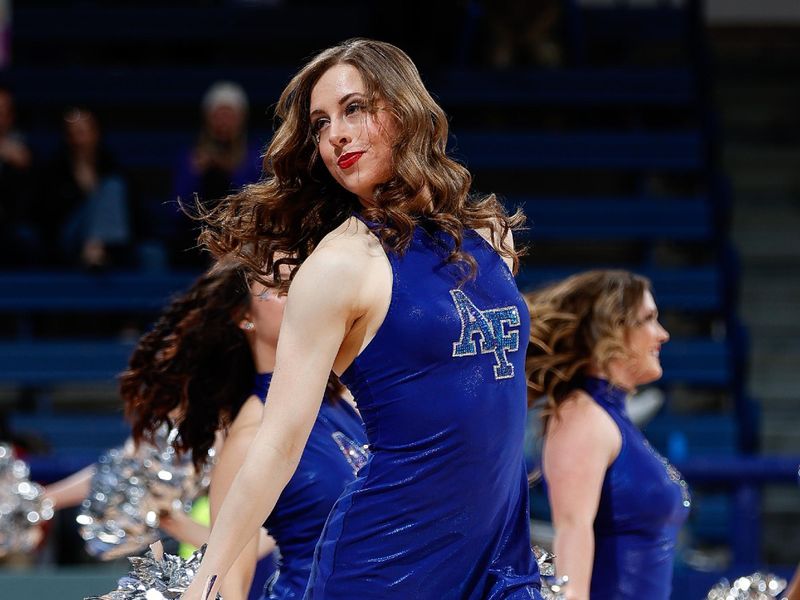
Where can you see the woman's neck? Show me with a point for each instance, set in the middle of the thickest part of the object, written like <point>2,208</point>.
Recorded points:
<point>263,357</point>
<point>612,377</point>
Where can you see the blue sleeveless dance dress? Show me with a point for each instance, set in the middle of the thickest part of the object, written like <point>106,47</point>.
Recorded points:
<point>333,454</point>
<point>643,503</point>
<point>440,511</point>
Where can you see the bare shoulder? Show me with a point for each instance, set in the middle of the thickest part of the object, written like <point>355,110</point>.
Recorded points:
<point>343,254</point>
<point>493,239</point>
<point>349,266</point>
<point>580,421</point>
<point>352,235</point>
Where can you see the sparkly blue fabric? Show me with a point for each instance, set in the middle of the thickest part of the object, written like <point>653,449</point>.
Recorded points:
<point>640,512</point>
<point>440,511</point>
<point>323,472</point>
<point>265,571</point>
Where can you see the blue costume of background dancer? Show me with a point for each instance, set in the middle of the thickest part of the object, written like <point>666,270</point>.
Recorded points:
<point>440,511</point>
<point>334,452</point>
<point>643,503</point>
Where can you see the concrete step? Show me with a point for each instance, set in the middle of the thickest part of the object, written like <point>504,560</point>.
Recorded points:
<point>762,167</point>
<point>774,392</point>
<point>764,281</point>
<point>765,245</point>
<point>781,499</point>
<point>775,118</point>
<point>763,198</point>
<point>771,321</point>
<point>770,231</point>
<point>780,433</point>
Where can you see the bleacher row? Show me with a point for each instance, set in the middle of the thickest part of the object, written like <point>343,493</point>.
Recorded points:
<point>657,206</point>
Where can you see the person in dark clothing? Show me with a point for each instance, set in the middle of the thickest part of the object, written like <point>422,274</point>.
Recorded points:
<point>85,216</point>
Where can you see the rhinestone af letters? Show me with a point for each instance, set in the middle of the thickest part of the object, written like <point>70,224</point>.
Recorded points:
<point>491,325</point>
<point>355,454</point>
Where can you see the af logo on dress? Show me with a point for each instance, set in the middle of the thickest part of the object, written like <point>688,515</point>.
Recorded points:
<point>492,325</point>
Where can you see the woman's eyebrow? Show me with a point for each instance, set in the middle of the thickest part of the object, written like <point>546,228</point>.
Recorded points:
<point>343,100</point>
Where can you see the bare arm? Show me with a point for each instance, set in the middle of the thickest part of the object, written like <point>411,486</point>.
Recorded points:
<point>182,527</point>
<point>310,339</point>
<point>579,445</point>
<point>71,490</point>
<point>239,578</point>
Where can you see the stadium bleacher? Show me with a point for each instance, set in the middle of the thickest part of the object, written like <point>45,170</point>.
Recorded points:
<point>663,198</point>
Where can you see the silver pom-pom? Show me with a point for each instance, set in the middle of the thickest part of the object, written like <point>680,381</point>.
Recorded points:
<point>758,586</point>
<point>131,488</point>
<point>552,587</point>
<point>22,506</point>
<point>156,576</point>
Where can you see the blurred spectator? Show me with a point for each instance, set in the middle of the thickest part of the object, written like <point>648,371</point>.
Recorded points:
<point>18,240</point>
<point>523,33</point>
<point>222,160</point>
<point>84,202</point>
<point>85,212</point>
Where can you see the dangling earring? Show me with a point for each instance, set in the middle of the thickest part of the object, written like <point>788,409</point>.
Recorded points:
<point>248,326</point>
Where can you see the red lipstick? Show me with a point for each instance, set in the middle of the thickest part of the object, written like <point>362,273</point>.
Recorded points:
<point>348,159</point>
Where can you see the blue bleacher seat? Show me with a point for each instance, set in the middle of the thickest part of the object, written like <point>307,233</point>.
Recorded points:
<point>61,291</point>
<point>697,289</point>
<point>602,218</point>
<point>700,361</point>
<point>635,151</point>
<point>93,25</point>
<point>39,362</point>
<point>73,432</point>
<point>181,85</point>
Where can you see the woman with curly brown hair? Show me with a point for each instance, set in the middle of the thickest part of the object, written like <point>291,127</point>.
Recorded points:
<point>421,318</point>
<point>616,503</point>
<point>207,365</point>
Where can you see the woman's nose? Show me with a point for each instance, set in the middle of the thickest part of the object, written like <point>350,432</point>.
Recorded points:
<point>339,133</point>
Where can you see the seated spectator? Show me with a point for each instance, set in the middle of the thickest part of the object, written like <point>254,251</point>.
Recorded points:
<point>523,34</point>
<point>85,199</point>
<point>19,242</point>
<point>221,161</point>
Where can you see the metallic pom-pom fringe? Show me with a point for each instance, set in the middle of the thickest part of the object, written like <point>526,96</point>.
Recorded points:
<point>22,506</point>
<point>758,586</point>
<point>131,489</point>
<point>156,576</point>
<point>552,587</point>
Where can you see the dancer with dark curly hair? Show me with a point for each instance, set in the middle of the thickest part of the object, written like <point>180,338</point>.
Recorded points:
<point>209,360</point>
<point>206,367</point>
<point>616,503</point>
<point>401,282</point>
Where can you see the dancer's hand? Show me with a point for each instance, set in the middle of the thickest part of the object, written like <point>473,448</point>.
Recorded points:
<point>206,591</point>
<point>180,526</point>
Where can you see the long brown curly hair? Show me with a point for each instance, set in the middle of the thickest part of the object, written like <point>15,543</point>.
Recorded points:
<point>196,360</point>
<point>575,323</point>
<point>298,202</point>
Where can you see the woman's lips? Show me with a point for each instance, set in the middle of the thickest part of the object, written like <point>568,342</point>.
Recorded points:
<point>348,159</point>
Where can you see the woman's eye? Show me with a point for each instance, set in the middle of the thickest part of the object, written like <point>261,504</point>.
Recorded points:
<point>318,125</point>
<point>651,318</point>
<point>353,108</point>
